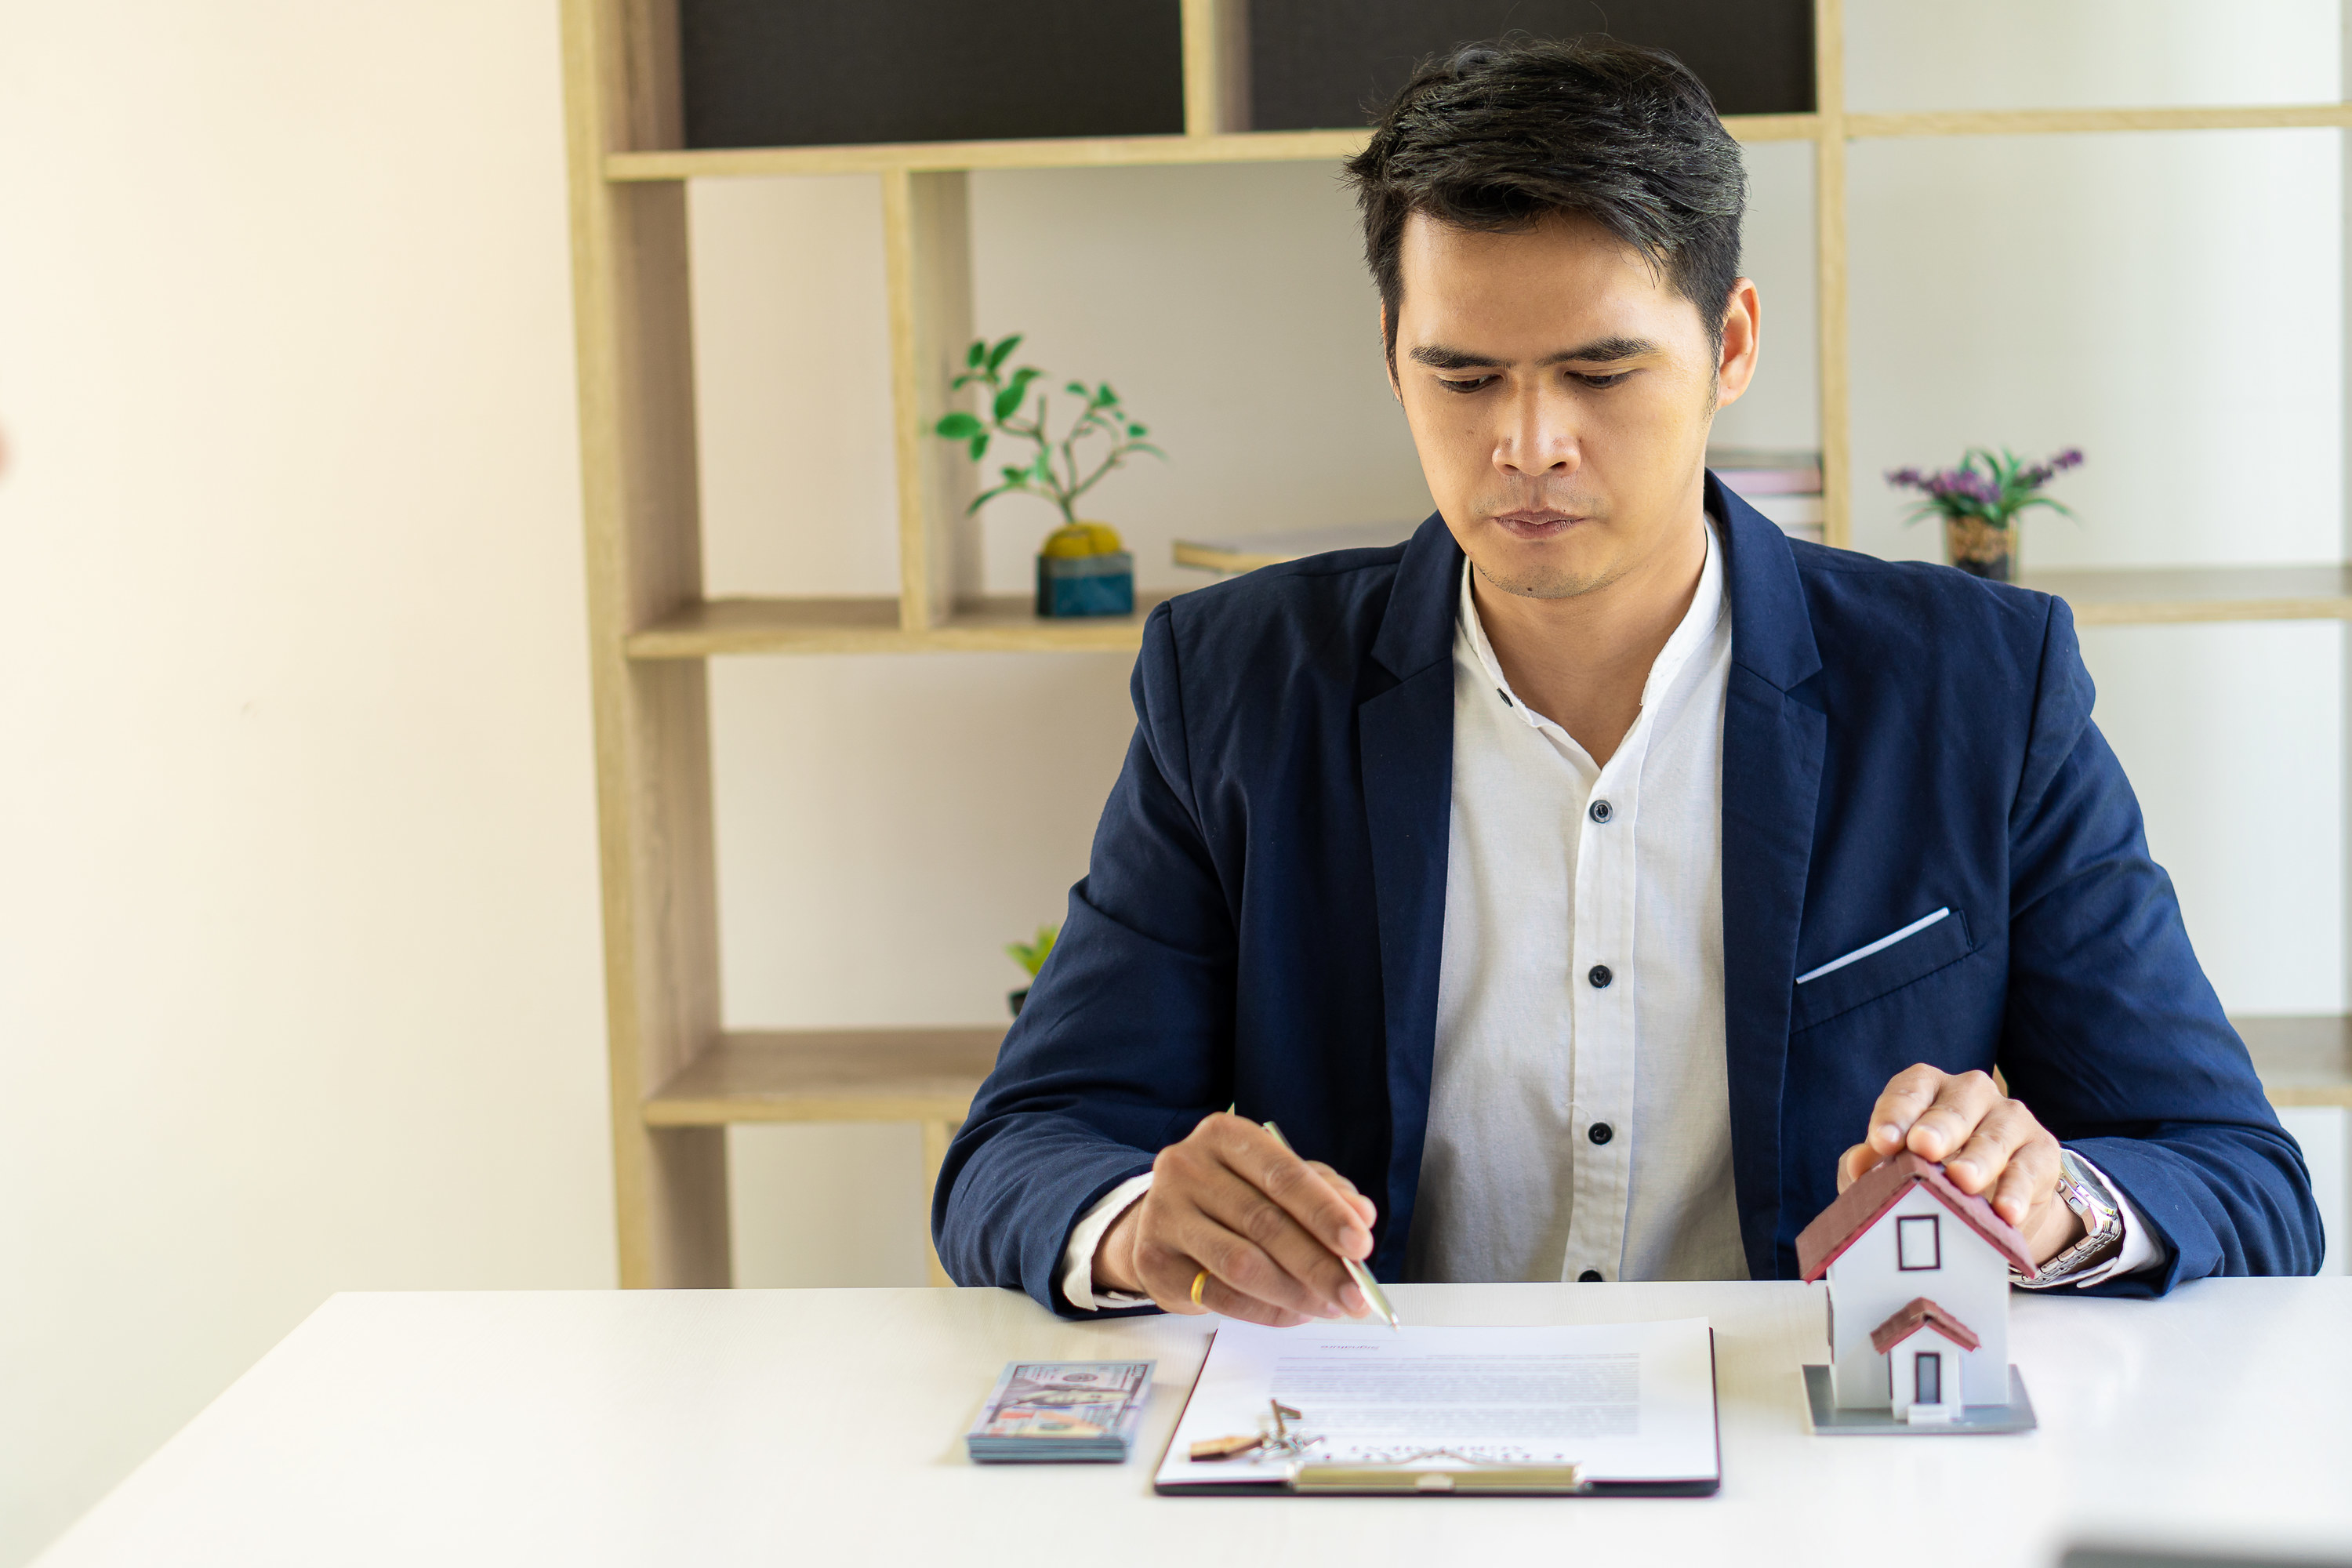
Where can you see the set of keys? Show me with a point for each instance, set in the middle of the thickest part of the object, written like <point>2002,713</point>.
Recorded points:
<point>1281,1444</point>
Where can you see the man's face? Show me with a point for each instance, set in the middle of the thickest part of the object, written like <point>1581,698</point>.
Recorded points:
<point>1559,392</point>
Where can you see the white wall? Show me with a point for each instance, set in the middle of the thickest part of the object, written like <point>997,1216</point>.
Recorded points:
<point>298,964</point>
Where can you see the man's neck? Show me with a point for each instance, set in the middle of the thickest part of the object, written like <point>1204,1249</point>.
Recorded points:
<point>1581,662</point>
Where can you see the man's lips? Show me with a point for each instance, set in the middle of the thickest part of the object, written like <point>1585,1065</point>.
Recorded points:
<point>1535,523</point>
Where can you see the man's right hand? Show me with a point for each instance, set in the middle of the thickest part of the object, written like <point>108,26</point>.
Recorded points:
<point>1266,1225</point>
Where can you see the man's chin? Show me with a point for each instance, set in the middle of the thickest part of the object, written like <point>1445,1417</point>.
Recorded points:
<point>1528,575</point>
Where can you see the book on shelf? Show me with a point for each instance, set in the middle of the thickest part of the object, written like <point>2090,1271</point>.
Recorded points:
<point>1247,552</point>
<point>1785,486</point>
<point>1761,471</point>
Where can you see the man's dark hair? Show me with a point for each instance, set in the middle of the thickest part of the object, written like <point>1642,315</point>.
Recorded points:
<point>1499,136</point>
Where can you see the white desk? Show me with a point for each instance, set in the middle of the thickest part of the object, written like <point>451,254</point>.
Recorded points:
<point>824,1426</point>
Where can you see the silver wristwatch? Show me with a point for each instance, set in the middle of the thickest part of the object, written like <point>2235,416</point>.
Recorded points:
<point>2080,1189</point>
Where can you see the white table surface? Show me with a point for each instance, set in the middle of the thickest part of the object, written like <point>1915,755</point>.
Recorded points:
<point>807,1426</point>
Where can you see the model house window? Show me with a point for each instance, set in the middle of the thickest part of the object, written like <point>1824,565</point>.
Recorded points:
<point>1916,1245</point>
<point>1927,1372</point>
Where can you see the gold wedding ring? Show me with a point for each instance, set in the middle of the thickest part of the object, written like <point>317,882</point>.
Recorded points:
<point>1199,1280</point>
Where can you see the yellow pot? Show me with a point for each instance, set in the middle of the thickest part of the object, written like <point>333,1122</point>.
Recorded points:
<point>1081,539</point>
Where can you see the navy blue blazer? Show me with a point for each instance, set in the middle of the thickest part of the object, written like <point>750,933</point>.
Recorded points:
<point>1260,921</point>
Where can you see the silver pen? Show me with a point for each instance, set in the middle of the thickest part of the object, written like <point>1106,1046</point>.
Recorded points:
<point>1356,1272</point>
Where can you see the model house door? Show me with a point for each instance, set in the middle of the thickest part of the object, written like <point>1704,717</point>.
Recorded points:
<point>1928,1385</point>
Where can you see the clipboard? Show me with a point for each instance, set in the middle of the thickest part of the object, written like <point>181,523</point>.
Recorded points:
<point>1309,1478</point>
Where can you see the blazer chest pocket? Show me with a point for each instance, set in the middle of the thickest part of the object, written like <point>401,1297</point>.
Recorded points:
<point>1865,974</point>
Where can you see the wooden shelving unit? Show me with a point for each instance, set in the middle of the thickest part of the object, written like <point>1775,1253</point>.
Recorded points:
<point>677,1078</point>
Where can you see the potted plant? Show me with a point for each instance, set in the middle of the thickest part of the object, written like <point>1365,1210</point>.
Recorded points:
<point>1031,956</point>
<point>1082,568</point>
<point>1980,506</point>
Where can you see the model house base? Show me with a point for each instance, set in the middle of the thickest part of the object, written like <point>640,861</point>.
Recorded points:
<point>1830,1420</point>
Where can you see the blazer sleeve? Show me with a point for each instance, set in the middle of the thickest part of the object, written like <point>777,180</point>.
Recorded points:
<point>2112,1034</point>
<point>1125,1041</point>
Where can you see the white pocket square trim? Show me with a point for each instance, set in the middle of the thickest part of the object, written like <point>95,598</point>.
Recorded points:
<point>1881,945</point>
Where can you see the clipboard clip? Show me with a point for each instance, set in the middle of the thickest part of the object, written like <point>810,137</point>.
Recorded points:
<point>1402,1475</point>
<point>1405,1477</point>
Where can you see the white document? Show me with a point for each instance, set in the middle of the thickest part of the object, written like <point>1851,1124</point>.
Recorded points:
<point>1629,1402</point>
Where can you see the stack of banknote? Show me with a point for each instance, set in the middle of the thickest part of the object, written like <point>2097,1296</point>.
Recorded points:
<point>1058,1411</point>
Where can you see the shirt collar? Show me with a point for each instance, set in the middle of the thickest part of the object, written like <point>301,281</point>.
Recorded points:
<point>1698,624</point>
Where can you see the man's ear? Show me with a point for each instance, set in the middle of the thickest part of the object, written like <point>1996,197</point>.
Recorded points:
<point>1387,354</point>
<point>1742,323</point>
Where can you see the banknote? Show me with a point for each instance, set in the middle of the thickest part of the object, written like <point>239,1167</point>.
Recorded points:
<point>1061,1410</point>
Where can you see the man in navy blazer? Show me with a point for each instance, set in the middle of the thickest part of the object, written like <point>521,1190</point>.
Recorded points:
<point>1362,876</point>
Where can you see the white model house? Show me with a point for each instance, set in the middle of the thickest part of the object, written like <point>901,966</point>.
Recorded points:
<point>1918,1274</point>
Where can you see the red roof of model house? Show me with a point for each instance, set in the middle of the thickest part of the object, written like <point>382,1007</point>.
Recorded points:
<point>1918,1311</point>
<point>1860,1205</point>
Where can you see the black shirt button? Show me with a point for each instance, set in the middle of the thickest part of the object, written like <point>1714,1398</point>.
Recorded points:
<point>1590,1277</point>
<point>1601,1133</point>
<point>1599,811</point>
<point>1600,976</point>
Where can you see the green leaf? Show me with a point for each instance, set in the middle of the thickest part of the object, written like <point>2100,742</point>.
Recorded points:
<point>1075,389</point>
<point>1016,391</point>
<point>976,354</point>
<point>1031,955</point>
<point>1004,350</point>
<point>1137,430</point>
<point>980,447</point>
<point>959,427</point>
<point>1015,478</point>
<point>1145,447</point>
<point>1105,397</point>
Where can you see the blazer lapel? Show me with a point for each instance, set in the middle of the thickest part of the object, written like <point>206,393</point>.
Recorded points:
<point>1405,739</point>
<point>1773,740</point>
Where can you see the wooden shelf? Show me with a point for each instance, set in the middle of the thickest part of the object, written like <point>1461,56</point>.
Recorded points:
<point>2151,596</point>
<point>2302,1061</point>
<point>2068,121</point>
<point>1074,152</point>
<point>1329,146</point>
<point>838,1075</point>
<point>930,1075</point>
<point>1005,625</point>
<point>2158,596</point>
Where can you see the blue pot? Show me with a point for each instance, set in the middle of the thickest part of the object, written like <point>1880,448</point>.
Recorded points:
<point>1086,584</point>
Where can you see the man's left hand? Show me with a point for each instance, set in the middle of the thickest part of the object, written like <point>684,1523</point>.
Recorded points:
<point>1989,1146</point>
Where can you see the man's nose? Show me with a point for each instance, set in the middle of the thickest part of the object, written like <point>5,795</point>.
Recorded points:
<point>1539,437</point>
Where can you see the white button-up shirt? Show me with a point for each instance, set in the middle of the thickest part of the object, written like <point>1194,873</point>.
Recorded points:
<point>1580,1115</point>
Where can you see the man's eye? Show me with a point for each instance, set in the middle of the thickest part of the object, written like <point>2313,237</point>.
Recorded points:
<point>1601,381</point>
<point>1475,384</point>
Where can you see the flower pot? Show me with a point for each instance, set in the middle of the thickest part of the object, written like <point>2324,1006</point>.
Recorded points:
<point>1981,550</point>
<point>1084,571</point>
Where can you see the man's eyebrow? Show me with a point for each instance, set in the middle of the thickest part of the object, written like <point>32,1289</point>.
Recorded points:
<point>1600,351</point>
<point>1605,350</point>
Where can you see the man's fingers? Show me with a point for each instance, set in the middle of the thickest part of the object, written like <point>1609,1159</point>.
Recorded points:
<point>1306,1197</point>
<point>1961,1101</point>
<point>1166,1275</point>
<point>2030,1177</point>
<point>1364,1208</point>
<point>1984,1152</point>
<point>1216,1296</point>
<point>1247,1240</point>
<point>1907,1094</point>
<point>1298,1270</point>
<point>1853,1162</point>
